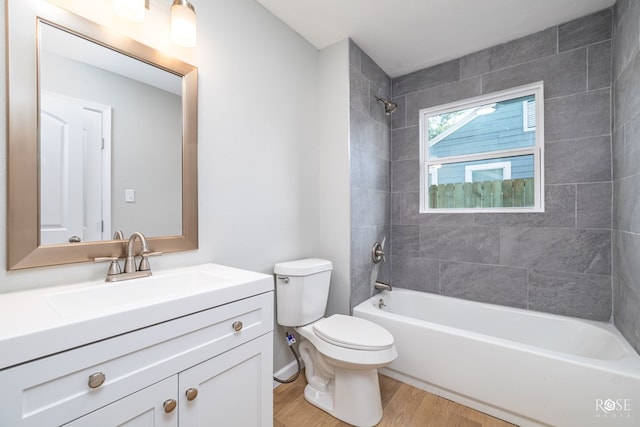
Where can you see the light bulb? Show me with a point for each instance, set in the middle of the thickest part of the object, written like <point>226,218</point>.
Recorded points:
<point>183,23</point>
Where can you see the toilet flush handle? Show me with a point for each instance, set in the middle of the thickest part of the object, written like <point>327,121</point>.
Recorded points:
<point>285,279</point>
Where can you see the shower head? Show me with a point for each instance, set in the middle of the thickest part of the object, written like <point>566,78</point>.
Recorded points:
<point>389,106</point>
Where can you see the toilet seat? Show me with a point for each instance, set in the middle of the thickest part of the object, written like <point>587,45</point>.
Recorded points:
<point>353,333</point>
<point>345,356</point>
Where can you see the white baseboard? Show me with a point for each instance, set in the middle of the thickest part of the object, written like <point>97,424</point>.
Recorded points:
<point>286,372</point>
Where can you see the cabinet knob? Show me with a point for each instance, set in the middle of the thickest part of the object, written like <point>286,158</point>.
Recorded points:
<point>237,326</point>
<point>191,394</point>
<point>97,379</point>
<point>169,405</point>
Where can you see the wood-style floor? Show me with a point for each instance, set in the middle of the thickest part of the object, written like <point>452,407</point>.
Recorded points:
<point>404,406</point>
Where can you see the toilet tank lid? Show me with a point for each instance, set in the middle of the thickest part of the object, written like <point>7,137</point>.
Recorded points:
<point>303,267</point>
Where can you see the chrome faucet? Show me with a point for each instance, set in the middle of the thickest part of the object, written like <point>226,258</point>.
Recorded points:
<point>130,271</point>
<point>130,262</point>
<point>377,252</point>
<point>382,286</point>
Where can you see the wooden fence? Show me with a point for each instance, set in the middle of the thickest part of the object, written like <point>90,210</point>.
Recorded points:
<point>486,194</point>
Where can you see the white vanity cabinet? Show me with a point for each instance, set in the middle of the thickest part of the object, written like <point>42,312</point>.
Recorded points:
<point>228,390</point>
<point>209,367</point>
<point>232,390</point>
<point>144,408</point>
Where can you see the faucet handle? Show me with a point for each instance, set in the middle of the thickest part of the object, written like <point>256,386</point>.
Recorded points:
<point>377,253</point>
<point>114,267</point>
<point>144,261</point>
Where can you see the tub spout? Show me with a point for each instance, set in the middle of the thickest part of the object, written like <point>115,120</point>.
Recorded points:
<point>383,286</point>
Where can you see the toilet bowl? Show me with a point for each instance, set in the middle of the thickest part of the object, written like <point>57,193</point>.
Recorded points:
<point>341,353</point>
<point>342,356</point>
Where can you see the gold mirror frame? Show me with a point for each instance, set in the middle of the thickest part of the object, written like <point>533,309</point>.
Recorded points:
<point>23,250</point>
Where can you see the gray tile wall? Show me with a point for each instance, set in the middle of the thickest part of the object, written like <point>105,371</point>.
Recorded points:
<point>370,153</point>
<point>626,170</point>
<point>558,261</point>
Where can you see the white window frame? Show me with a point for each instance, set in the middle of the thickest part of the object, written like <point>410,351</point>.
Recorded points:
<point>470,169</point>
<point>434,176</point>
<point>537,150</point>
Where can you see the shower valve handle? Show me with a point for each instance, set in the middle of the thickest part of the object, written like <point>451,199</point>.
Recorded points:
<point>377,254</point>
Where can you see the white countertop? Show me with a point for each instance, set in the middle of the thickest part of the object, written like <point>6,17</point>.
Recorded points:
<point>41,322</point>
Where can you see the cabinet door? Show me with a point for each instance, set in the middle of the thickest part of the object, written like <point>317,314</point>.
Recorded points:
<point>144,408</point>
<point>234,389</point>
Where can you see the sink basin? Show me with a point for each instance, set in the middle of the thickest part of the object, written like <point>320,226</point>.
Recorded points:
<point>40,322</point>
<point>118,296</point>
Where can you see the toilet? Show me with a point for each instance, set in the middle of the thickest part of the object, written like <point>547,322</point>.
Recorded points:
<point>341,353</point>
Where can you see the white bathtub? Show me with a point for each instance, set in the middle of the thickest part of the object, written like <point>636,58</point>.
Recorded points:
<point>525,367</point>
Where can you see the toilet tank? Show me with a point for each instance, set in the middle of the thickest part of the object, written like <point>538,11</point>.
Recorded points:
<point>302,290</point>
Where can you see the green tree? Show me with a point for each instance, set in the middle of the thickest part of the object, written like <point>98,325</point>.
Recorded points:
<point>440,123</point>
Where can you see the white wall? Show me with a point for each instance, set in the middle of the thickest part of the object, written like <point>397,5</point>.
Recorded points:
<point>334,228</point>
<point>257,118</point>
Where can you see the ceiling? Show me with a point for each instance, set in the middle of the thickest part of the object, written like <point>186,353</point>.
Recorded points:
<point>402,36</point>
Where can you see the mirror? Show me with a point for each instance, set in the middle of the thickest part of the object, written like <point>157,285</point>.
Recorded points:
<point>131,114</point>
<point>110,142</point>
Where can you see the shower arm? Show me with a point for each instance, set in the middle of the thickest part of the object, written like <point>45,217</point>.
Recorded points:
<point>389,106</point>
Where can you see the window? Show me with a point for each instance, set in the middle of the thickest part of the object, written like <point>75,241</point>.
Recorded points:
<point>487,172</point>
<point>529,115</point>
<point>484,154</point>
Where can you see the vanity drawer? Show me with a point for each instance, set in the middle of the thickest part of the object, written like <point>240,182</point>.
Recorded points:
<point>55,390</point>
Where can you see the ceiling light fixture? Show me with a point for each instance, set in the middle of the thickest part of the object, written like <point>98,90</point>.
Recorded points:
<point>183,18</point>
<point>183,23</point>
<point>133,10</point>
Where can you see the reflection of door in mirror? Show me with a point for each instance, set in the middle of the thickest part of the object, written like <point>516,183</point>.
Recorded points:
<point>74,170</point>
<point>145,103</point>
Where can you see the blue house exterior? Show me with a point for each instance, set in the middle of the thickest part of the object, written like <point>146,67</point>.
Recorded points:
<point>510,126</point>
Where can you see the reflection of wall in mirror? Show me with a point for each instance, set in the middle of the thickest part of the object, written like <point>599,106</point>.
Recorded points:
<point>146,143</point>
